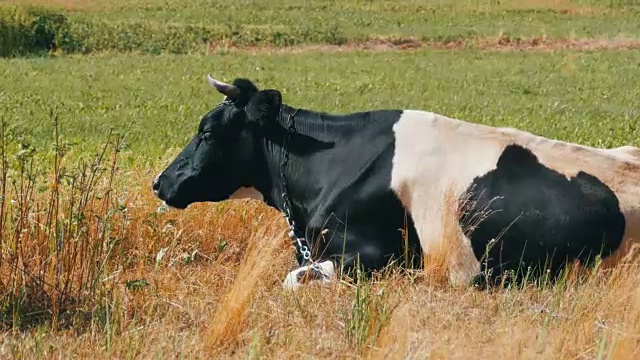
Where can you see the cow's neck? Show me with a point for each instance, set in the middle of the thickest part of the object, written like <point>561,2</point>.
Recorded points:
<point>300,173</point>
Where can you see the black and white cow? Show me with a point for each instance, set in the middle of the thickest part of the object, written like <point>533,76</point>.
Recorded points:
<point>518,202</point>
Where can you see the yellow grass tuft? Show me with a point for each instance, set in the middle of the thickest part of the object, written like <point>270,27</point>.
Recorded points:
<point>393,342</point>
<point>229,320</point>
<point>451,261</point>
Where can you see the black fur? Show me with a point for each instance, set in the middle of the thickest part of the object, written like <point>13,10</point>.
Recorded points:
<point>540,219</point>
<point>338,175</point>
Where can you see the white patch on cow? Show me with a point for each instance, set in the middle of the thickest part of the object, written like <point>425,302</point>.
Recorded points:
<point>247,193</point>
<point>435,154</point>
<point>291,280</point>
<point>627,153</point>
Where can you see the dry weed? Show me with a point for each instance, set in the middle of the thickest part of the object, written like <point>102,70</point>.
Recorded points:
<point>229,319</point>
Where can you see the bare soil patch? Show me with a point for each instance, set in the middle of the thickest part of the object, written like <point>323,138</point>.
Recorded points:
<point>484,44</point>
<point>559,6</point>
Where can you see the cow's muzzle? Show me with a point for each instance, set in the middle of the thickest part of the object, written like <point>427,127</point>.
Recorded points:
<point>167,195</point>
<point>155,185</point>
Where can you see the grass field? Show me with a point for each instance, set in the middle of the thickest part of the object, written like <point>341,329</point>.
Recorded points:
<point>404,17</point>
<point>92,267</point>
<point>431,19</point>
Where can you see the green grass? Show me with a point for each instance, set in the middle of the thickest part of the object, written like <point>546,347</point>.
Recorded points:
<point>189,27</point>
<point>157,101</point>
<point>430,21</point>
<point>408,18</point>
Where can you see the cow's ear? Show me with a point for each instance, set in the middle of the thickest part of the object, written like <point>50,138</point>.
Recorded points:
<point>264,106</point>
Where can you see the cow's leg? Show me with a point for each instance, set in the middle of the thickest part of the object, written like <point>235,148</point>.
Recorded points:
<point>445,246</point>
<point>362,249</point>
<point>323,272</point>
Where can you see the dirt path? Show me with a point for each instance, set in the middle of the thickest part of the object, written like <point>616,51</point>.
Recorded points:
<point>483,44</point>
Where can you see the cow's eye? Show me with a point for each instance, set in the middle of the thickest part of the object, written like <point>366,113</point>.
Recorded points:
<point>206,136</point>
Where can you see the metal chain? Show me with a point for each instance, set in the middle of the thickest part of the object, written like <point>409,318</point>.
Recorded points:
<point>303,252</point>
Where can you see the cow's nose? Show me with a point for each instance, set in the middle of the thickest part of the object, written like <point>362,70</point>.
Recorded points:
<point>155,185</point>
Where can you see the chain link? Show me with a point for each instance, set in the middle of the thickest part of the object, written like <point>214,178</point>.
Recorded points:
<point>303,253</point>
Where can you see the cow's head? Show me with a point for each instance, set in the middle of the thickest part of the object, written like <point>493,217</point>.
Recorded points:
<point>220,158</point>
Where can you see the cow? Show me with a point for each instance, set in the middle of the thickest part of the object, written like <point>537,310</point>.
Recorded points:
<point>370,188</point>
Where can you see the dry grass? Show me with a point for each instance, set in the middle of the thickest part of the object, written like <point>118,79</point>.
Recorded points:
<point>228,322</point>
<point>227,302</point>
<point>562,6</point>
<point>393,342</point>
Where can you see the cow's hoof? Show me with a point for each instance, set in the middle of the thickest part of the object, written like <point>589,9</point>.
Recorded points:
<point>317,272</point>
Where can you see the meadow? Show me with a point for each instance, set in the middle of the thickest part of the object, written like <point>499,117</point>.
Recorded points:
<point>92,266</point>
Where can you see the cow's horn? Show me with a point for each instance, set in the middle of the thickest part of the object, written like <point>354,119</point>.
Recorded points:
<point>224,88</point>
